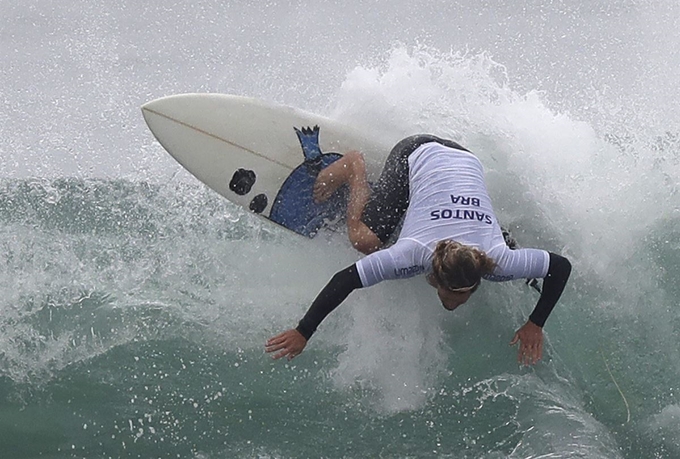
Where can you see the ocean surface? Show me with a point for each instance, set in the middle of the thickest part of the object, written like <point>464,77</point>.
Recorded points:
<point>135,303</point>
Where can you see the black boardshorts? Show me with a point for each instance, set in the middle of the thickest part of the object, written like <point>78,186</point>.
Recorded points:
<point>390,195</point>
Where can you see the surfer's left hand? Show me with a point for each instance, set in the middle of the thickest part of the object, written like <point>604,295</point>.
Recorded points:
<point>290,343</point>
<point>530,337</point>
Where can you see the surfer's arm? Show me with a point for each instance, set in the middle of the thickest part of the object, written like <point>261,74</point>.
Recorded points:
<point>553,286</point>
<point>370,270</point>
<point>403,259</point>
<point>292,342</point>
<point>530,264</point>
<point>332,295</point>
<point>530,335</point>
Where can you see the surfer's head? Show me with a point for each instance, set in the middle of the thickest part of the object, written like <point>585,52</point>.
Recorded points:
<point>457,271</point>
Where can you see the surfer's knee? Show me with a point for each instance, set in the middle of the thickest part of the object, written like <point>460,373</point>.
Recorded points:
<point>355,159</point>
<point>362,238</point>
<point>366,247</point>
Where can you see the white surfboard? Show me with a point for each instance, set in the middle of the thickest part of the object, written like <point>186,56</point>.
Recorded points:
<point>261,156</point>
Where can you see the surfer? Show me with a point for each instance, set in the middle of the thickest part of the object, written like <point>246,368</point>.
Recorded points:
<point>449,233</point>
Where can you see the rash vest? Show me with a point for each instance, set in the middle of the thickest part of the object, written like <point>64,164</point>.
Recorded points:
<point>448,200</point>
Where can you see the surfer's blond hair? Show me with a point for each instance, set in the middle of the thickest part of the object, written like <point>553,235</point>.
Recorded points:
<point>459,267</point>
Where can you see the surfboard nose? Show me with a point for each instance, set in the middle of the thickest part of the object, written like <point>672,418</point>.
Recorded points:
<point>171,106</point>
<point>197,105</point>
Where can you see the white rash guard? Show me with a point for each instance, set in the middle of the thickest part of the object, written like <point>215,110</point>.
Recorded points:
<point>448,200</point>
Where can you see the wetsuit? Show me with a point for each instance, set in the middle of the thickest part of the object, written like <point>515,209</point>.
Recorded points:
<point>446,199</point>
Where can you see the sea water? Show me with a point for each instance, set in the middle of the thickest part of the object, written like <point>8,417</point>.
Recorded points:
<point>135,303</point>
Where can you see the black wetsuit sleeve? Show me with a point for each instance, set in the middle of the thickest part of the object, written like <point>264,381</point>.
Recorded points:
<point>553,285</point>
<point>334,293</point>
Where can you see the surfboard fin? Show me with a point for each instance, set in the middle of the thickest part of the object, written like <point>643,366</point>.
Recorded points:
<point>533,283</point>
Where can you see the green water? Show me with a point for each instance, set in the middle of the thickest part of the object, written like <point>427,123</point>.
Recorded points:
<point>138,332</point>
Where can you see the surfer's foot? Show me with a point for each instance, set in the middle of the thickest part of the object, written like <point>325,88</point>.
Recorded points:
<point>333,176</point>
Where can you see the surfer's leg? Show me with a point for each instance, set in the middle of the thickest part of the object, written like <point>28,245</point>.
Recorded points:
<point>350,170</point>
<point>335,175</point>
<point>361,236</point>
<point>390,196</point>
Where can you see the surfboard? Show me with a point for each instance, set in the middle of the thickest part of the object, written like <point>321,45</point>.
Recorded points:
<point>261,156</point>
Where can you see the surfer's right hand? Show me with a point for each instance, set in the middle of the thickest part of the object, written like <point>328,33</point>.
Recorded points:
<point>290,343</point>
